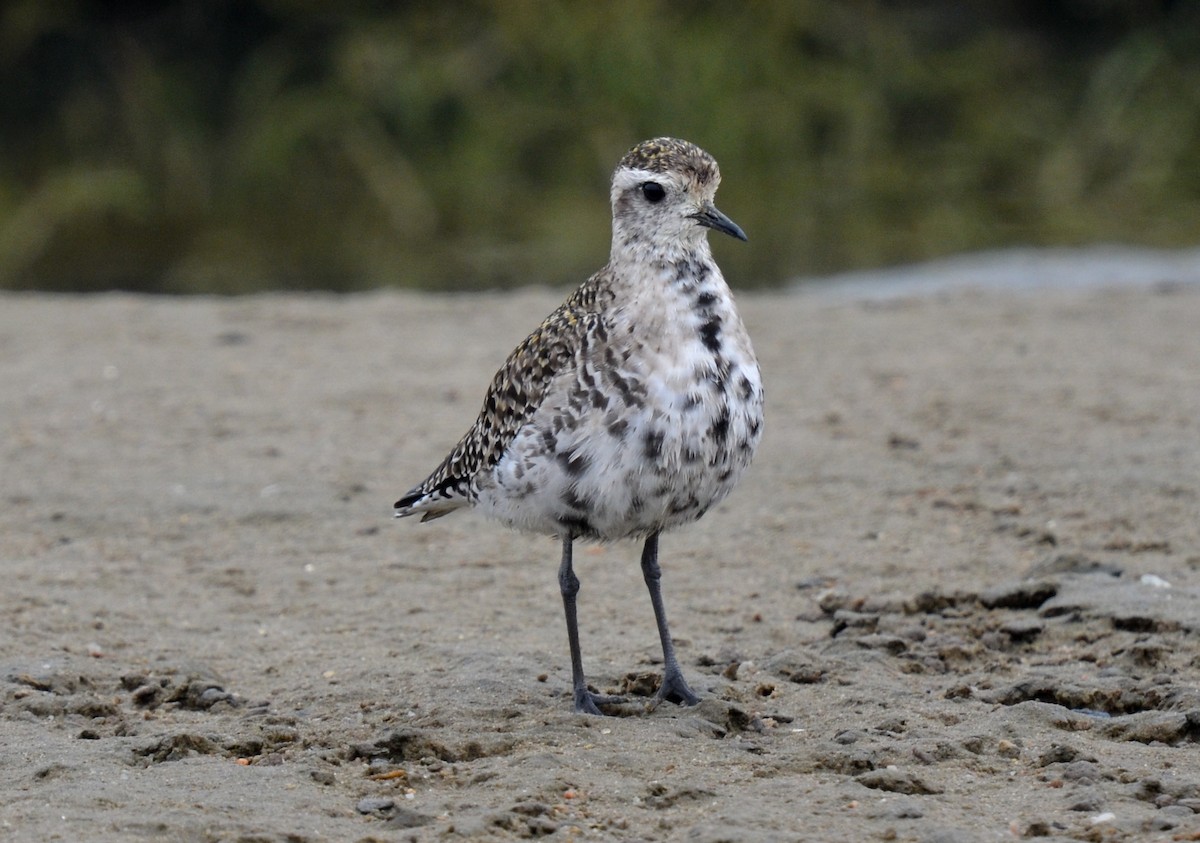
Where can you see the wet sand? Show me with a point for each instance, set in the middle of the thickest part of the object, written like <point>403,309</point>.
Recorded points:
<point>956,599</point>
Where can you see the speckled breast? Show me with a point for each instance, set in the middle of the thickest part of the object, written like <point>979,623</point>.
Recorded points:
<point>647,432</point>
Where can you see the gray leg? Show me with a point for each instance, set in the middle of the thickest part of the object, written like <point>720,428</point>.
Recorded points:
<point>673,686</point>
<point>568,583</point>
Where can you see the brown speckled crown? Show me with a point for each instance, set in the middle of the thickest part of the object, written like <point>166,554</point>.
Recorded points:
<point>662,155</point>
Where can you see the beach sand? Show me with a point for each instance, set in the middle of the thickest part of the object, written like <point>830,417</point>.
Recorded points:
<point>956,598</point>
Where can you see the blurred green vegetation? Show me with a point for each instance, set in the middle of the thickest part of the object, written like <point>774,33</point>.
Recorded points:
<point>228,147</point>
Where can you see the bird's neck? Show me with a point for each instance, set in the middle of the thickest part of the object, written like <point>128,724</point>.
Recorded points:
<point>634,256</point>
<point>652,288</point>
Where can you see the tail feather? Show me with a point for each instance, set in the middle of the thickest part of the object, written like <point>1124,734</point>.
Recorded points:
<point>410,498</point>
<point>430,503</point>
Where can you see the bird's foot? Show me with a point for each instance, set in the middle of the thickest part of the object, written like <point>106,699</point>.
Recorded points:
<point>674,688</point>
<point>589,702</point>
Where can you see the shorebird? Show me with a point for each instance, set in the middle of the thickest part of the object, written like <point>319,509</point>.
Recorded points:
<point>632,409</point>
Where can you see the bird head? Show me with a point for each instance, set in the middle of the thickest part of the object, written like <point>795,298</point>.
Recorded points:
<point>662,197</point>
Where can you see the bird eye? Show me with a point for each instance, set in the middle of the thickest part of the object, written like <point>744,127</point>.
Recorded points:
<point>653,191</point>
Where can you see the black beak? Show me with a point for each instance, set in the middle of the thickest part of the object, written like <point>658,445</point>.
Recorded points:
<point>710,217</point>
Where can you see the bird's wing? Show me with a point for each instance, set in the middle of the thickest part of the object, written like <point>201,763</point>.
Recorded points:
<point>514,395</point>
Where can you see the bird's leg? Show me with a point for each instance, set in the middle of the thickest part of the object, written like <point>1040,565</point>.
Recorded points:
<point>568,583</point>
<point>673,686</point>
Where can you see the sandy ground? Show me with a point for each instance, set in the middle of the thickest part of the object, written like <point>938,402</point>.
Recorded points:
<point>956,599</point>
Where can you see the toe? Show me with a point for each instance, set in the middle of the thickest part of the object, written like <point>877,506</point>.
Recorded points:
<point>675,689</point>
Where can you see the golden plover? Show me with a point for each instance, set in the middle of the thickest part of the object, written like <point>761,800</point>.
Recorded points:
<point>633,408</point>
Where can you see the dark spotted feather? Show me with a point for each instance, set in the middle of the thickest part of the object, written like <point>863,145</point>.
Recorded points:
<point>515,393</point>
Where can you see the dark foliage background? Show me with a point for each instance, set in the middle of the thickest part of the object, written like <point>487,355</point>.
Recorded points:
<point>233,146</point>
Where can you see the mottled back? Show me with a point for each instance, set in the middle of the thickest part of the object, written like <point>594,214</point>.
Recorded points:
<point>514,395</point>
